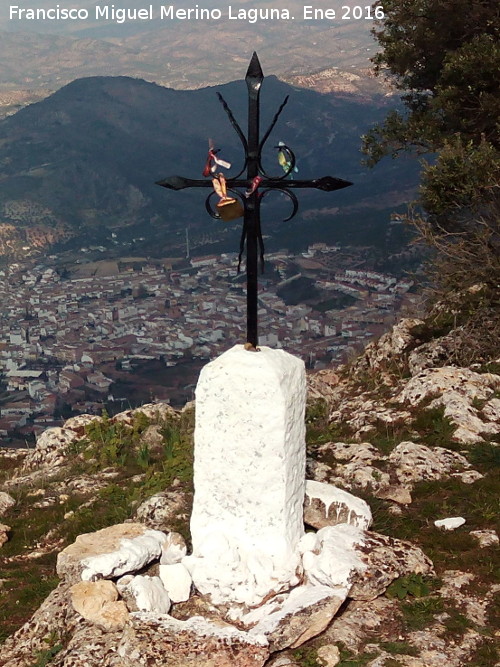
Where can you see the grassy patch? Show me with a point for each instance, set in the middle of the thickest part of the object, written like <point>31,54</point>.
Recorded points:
<point>44,657</point>
<point>349,659</point>
<point>306,656</point>
<point>399,648</point>
<point>106,443</point>
<point>433,428</point>
<point>478,503</point>
<point>485,456</point>
<point>485,655</point>
<point>419,614</point>
<point>26,585</point>
<point>317,426</point>
<point>413,585</point>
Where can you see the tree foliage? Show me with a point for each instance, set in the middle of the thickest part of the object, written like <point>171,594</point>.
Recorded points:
<point>444,55</point>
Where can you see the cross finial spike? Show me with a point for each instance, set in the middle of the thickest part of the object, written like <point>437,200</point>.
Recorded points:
<point>254,70</point>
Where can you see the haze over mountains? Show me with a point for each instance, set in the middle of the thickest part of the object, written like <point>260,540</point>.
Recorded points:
<point>83,162</point>
<point>41,56</point>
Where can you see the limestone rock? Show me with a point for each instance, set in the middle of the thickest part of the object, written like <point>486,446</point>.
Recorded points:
<point>436,650</point>
<point>6,501</point>
<point>110,552</point>
<point>328,655</point>
<point>50,449</point>
<point>79,422</point>
<point>176,580</point>
<point>491,410</point>
<point>378,355</point>
<point>322,385</point>
<point>326,505</point>
<point>486,538</point>
<point>385,559</point>
<point>359,620</point>
<point>97,602</point>
<point>149,594</point>
<point>291,619</point>
<point>4,534</point>
<point>331,559</point>
<point>152,437</point>
<point>440,381</point>
<point>89,646</point>
<point>165,509</point>
<point>461,588</point>
<point>398,494</point>
<point>451,523</point>
<point>468,476</point>
<point>363,452</point>
<point>55,616</point>
<point>361,476</point>
<point>455,389</point>
<point>160,411</point>
<point>174,549</point>
<point>150,639</point>
<point>414,462</point>
<point>354,467</point>
<point>432,354</point>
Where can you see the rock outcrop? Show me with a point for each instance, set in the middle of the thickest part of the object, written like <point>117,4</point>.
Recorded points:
<point>395,428</point>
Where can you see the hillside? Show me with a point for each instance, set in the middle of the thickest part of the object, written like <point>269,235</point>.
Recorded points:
<point>401,427</point>
<point>83,162</point>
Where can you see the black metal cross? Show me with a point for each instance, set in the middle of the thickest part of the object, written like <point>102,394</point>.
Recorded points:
<point>252,147</point>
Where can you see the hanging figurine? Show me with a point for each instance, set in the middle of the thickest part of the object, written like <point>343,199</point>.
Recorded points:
<point>228,208</point>
<point>285,158</point>
<point>213,161</point>
<point>256,181</point>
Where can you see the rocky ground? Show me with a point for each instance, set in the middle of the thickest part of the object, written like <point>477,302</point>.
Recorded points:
<point>415,438</point>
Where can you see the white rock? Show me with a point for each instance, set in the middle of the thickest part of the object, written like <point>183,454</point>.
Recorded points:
<point>491,409</point>
<point>249,474</point>
<point>50,449</point>
<point>149,594</point>
<point>347,451</point>
<point>309,542</point>
<point>290,619</point>
<point>468,477</point>
<point>110,552</point>
<point>79,422</point>
<point>173,549</point>
<point>177,581</point>
<point>414,462</point>
<point>456,388</point>
<point>131,556</point>
<point>337,560</point>
<point>486,538</point>
<point>6,501</point>
<point>451,523</point>
<point>343,506</point>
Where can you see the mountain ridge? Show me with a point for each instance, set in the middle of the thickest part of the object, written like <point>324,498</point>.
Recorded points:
<point>53,160</point>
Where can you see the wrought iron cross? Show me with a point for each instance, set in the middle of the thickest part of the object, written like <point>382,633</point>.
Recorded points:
<point>259,183</point>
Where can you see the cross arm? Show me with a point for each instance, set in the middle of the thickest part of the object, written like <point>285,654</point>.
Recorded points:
<point>326,183</point>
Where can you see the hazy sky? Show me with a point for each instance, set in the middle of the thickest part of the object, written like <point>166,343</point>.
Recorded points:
<point>181,52</point>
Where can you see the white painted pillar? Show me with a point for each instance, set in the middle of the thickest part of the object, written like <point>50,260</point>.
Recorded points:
<point>249,475</point>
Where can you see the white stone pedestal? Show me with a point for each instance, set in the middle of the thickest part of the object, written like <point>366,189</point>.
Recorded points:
<point>249,475</point>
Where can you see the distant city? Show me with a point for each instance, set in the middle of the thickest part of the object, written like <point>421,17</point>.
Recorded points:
<point>76,341</point>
